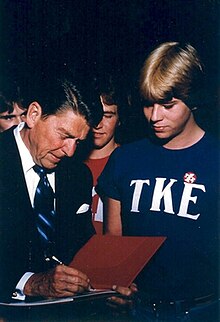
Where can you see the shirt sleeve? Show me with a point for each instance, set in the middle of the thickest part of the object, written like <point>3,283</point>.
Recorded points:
<point>107,183</point>
<point>18,294</point>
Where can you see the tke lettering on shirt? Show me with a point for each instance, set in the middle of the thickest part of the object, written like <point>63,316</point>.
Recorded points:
<point>162,192</point>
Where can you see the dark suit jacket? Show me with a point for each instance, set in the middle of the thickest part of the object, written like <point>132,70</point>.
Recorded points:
<point>20,248</point>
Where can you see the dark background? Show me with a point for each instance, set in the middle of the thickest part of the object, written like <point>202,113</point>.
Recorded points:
<point>53,37</point>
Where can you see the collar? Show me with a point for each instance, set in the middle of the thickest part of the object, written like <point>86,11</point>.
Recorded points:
<point>26,158</point>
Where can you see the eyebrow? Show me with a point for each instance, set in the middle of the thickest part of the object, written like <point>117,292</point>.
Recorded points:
<point>10,116</point>
<point>109,112</point>
<point>70,135</point>
<point>61,129</point>
<point>170,102</point>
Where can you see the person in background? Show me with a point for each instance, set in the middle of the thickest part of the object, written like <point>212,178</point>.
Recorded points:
<point>103,141</point>
<point>12,110</point>
<point>168,185</point>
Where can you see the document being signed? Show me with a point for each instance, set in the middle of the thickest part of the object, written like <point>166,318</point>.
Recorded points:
<point>115,260</point>
<point>107,261</point>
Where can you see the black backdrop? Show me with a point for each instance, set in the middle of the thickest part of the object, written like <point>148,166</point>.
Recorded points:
<point>53,36</point>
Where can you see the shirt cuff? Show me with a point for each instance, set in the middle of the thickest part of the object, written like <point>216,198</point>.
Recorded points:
<point>18,293</point>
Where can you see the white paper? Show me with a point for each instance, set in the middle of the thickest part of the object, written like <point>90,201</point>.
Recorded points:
<point>91,294</point>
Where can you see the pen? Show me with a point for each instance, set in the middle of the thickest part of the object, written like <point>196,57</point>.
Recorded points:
<point>55,259</point>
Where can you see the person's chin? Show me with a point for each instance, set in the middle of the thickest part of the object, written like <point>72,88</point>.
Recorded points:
<point>161,132</point>
<point>159,138</point>
<point>162,136</point>
<point>49,165</point>
<point>99,146</point>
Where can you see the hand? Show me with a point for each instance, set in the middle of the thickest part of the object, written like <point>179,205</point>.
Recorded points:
<point>61,281</point>
<point>125,301</point>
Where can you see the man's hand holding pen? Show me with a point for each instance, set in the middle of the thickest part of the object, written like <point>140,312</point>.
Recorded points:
<point>64,281</point>
<point>61,281</point>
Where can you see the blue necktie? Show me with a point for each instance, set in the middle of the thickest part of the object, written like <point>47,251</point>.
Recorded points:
<point>44,207</point>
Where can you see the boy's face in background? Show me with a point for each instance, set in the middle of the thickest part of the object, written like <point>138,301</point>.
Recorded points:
<point>8,120</point>
<point>105,130</point>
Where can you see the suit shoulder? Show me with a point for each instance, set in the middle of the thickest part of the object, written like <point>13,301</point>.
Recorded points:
<point>76,168</point>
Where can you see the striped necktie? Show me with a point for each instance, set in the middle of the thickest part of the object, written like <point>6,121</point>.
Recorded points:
<point>44,207</point>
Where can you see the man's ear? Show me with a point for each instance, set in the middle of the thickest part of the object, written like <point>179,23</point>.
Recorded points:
<point>34,113</point>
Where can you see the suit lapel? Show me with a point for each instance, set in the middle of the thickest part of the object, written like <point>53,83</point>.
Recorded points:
<point>15,188</point>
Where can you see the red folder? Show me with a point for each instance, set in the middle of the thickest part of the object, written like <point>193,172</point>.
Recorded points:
<point>115,260</point>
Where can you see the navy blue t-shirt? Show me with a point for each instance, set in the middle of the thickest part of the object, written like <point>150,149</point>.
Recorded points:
<point>172,193</point>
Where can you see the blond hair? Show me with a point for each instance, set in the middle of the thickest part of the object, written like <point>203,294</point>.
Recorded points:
<point>171,71</point>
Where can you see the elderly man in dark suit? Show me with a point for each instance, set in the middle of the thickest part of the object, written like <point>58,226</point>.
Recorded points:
<point>56,121</point>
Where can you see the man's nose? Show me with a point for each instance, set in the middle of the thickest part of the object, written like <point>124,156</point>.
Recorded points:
<point>69,147</point>
<point>157,113</point>
<point>99,126</point>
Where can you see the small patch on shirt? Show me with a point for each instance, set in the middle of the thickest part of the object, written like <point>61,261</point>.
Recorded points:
<point>189,177</point>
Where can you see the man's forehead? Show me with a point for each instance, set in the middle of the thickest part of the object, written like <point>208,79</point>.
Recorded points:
<point>110,108</point>
<point>71,124</point>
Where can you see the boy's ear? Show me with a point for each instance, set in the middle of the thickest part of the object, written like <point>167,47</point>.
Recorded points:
<point>34,113</point>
